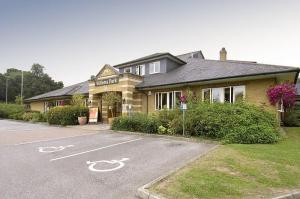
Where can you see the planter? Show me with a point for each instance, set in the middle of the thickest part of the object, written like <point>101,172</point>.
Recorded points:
<point>110,120</point>
<point>82,120</point>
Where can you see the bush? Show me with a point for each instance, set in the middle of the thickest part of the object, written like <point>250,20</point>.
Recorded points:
<point>291,119</point>
<point>137,122</point>
<point>232,123</point>
<point>66,115</point>
<point>34,116</point>
<point>11,111</point>
<point>236,123</point>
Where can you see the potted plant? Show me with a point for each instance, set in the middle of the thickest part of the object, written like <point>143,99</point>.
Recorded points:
<point>111,98</point>
<point>78,100</point>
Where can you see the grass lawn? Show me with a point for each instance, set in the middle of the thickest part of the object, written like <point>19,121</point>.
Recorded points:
<point>239,171</point>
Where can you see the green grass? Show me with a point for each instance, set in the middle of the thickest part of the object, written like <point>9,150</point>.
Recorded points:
<point>239,171</point>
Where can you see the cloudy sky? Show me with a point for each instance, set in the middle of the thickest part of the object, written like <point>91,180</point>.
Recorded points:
<point>73,39</point>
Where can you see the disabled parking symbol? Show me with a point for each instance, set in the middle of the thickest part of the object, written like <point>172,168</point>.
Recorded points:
<point>50,149</point>
<point>114,164</point>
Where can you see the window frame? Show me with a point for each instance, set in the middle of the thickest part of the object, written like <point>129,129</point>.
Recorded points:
<point>141,70</point>
<point>130,69</point>
<point>231,94</point>
<point>156,67</point>
<point>158,99</point>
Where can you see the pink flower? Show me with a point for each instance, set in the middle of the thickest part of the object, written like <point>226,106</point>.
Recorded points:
<point>285,92</point>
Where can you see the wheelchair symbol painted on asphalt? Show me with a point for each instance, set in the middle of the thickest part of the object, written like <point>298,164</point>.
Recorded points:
<point>51,149</point>
<point>118,164</point>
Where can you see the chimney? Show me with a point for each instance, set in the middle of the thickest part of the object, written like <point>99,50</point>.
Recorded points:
<point>223,55</point>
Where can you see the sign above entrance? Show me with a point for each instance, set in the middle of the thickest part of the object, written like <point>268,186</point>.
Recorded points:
<point>113,80</point>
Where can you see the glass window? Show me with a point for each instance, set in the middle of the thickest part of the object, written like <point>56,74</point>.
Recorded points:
<point>140,70</point>
<point>206,95</point>
<point>164,100</point>
<point>217,95</point>
<point>227,95</point>
<point>238,93</point>
<point>128,70</point>
<point>154,67</point>
<point>167,100</point>
<point>171,100</point>
<point>177,98</point>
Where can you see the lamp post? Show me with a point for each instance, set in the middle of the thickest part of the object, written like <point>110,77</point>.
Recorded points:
<point>6,91</point>
<point>22,83</point>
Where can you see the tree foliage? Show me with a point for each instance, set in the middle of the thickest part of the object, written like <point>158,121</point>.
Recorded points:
<point>36,82</point>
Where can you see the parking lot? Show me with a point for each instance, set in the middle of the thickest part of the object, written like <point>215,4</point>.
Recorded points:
<point>76,163</point>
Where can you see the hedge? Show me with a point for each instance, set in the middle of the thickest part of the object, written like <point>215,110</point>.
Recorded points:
<point>11,111</point>
<point>231,123</point>
<point>66,115</point>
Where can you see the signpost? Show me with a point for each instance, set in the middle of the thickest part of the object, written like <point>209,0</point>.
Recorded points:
<point>183,107</point>
<point>93,117</point>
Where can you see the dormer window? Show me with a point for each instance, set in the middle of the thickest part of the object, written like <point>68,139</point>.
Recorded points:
<point>128,70</point>
<point>154,67</point>
<point>140,70</point>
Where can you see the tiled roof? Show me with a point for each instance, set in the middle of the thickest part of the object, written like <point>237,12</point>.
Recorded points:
<point>205,70</point>
<point>80,88</point>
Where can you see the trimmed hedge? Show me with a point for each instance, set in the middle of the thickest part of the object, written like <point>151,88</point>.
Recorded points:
<point>11,111</point>
<point>66,115</point>
<point>34,116</point>
<point>231,123</point>
<point>137,122</point>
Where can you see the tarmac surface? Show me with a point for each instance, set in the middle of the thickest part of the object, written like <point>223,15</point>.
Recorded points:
<point>76,163</point>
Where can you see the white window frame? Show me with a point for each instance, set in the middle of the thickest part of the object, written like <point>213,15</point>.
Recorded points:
<point>232,93</point>
<point>244,92</point>
<point>159,100</point>
<point>140,70</point>
<point>155,66</point>
<point>130,70</point>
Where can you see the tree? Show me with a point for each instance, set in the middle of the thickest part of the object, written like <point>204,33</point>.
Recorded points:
<point>111,98</point>
<point>77,100</point>
<point>36,82</point>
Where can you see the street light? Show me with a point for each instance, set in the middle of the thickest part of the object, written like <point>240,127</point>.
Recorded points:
<point>6,91</point>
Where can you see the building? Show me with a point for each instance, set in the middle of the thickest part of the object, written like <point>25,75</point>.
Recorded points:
<point>156,81</point>
<point>58,97</point>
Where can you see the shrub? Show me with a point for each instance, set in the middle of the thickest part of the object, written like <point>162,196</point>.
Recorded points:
<point>66,115</point>
<point>12,111</point>
<point>291,119</point>
<point>136,122</point>
<point>236,123</point>
<point>34,116</point>
<point>232,123</point>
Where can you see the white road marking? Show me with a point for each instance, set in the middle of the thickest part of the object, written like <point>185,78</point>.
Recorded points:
<point>55,139</point>
<point>120,164</point>
<point>97,149</point>
<point>51,149</point>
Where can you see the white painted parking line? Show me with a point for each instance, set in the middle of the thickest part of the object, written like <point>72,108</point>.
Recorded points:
<point>51,149</point>
<point>55,139</point>
<point>119,163</point>
<point>97,149</point>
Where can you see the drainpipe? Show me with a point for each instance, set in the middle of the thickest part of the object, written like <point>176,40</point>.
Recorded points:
<point>145,93</point>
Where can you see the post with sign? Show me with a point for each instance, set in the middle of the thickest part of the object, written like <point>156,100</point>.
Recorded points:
<point>183,107</point>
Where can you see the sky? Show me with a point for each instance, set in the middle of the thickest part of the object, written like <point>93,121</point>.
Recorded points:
<point>73,39</point>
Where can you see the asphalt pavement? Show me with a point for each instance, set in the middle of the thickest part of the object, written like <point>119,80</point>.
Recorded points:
<point>102,165</point>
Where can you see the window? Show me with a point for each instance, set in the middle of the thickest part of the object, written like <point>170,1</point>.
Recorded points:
<point>238,93</point>
<point>226,94</point>
<point>154,67</point>
<point>140,70</point>
<point>128,70</point>
<point>168,100</point>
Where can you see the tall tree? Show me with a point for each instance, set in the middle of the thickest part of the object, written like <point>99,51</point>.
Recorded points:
<point>35,82</point>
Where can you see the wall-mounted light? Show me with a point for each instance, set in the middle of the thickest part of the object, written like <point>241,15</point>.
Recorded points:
<point>149,93</point>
